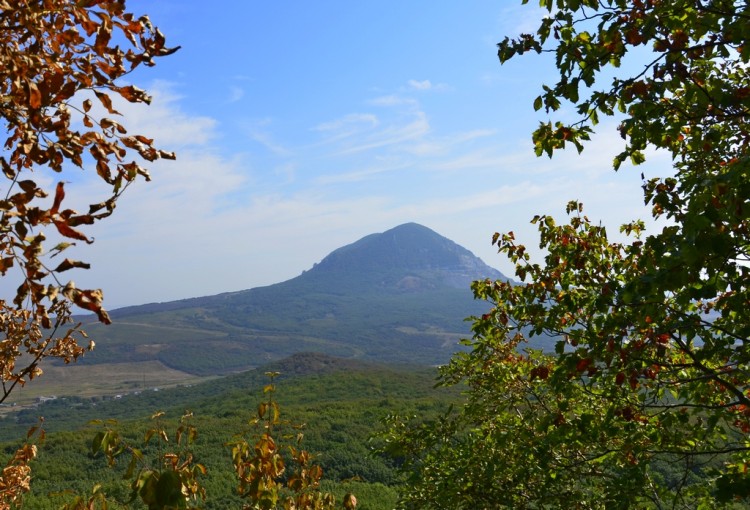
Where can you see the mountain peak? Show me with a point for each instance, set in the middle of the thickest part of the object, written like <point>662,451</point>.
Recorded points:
<point>408,251</point>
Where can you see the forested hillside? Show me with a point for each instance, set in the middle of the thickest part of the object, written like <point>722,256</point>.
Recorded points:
<point>341,403</point>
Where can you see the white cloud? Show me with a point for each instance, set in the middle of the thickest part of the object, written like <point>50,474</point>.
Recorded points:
<point>164,120</point>
<point>287,171</point>
<point>420,85</point>
<point>392,100</point>
<point>520,19</point>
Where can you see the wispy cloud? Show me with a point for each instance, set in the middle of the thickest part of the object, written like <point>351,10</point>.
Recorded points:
<point>367,119</point>
<point>392,100</point>
<point>362,175</point>
<point>520,19</point>
<point>425,85</point>
<point>420,85</point>
<point>259,133</point>
<point>446,145</point>
<point>235,94</point>
<point>288,171</point>
<point>417,127</point>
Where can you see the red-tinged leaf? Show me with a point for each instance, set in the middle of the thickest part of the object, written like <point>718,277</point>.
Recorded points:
<point>28,186</point>
<point>130,142</point>
<point>149,154</point>
<point>87,105</point>
<point>70,264</point>
<point>89,26</point>
<point>5,264</point>
<point>583,364</point>
<point>543,372</point>
<point>103,36</point>
<point>67,231</point>
<point>159,39</point>
<point>109,204</point>
<point>134,94</point>
<point>80,219</point>
<point>31,431</point>
<point>165,52</point>
<point>35,97</point>
<point>106,102</point>
<point>91,300</point>
<point>633,381</point>
<point>102,168</point>
<point>59,196</point>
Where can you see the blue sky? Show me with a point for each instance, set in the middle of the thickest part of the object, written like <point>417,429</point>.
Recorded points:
<point>303,126</point>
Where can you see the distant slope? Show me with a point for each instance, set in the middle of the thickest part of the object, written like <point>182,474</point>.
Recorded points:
<point>401,295</point>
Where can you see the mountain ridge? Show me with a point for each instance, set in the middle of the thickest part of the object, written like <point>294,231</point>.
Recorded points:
<point>397,296</point>
<point>464,263</point>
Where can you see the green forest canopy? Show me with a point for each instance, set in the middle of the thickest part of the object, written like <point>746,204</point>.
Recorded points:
<point>652,365</point>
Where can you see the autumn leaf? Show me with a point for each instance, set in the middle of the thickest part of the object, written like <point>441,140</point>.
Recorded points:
<point>106,102</point>
<point>70,264</point>
<point>67,231</point>
<point>59,196</point>
<point>35,97</point>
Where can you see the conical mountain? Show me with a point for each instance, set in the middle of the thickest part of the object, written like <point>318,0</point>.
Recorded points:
<point>404,257</point>
<point>401,295</point>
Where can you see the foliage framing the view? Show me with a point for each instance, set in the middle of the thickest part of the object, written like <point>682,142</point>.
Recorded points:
<point>645,401</point>
<point>60,66</point>
<point>60,57</point>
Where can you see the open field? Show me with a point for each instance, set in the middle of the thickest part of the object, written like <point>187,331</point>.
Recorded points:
<point>100,380</point>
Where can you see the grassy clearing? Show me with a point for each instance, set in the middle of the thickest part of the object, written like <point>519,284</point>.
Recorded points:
<point>99,380</point>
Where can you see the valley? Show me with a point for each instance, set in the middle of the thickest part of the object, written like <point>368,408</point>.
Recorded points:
<point>355,339</point>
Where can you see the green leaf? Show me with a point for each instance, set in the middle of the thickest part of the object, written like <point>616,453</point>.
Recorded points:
<point>96,442</point>
<point>169,491</point>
